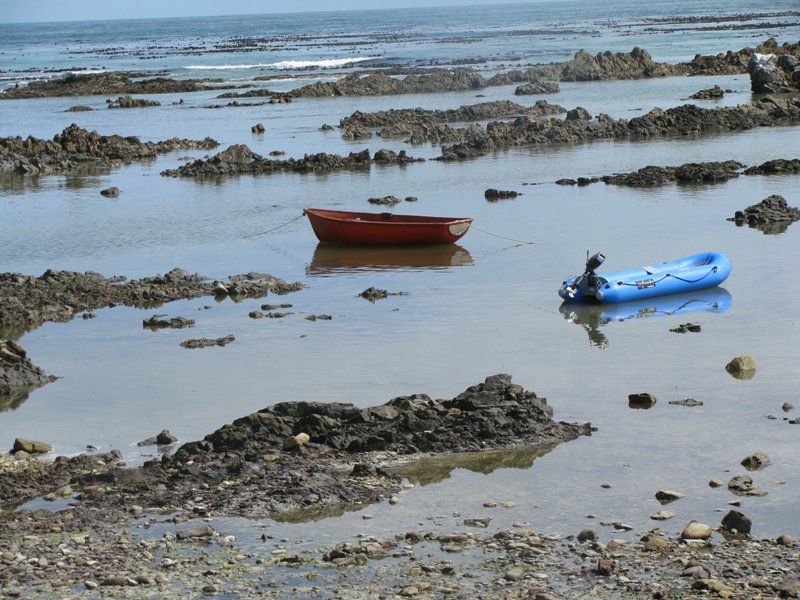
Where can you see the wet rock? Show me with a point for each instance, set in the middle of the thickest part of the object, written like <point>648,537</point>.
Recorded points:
<point>30,446</point>
<point>713,93</point>
<point>18,375</point>
<point>587,535</point>
<point>493,194</point>
<point>384,200</point>
<point>159,322</point>
<point>537,87</point>
<point>736,521</point>
<point>742,367</point>
<point>785,540</point>
<point>696,531</point>
<point>258,128</point>
<point>372,294</point>
<point>75,146</point>
<point>605,567</point>
<point>766,75</point>
<point>514,574</point>
<point>743,485</point>
<point>410,198</point>
<point>114,581</point>
<point>380,84</point>
<point>690,402</point>
<point>194,533</point>
<point>787,407</point>
<point>650,176</point>
<point>687,327</point>
<point>578,114</point>
<point>778,166</point>
<point>481,522</point>
<point>80,108</point>
<point>715,483</point>
<point>642,400</point>
<point>326,127</point>
<point>566,181</point>
<point>319,318</point>
<point>656,543</point>
<point>771,215</point>
<point>130,102</point>
<point>667,496</point>
<point>165,438</point>
<point>207,342</point>
<point>756,461</point>
<point>662,515</point>
<point>112,192</point>
<point>712,585</point>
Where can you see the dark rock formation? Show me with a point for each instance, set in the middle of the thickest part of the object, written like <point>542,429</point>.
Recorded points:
<point>274,97</point>
<point>636,64</point>
<point>207,342</point>
<point>103,84</point>
<point>258,128</point>
<point>494,195</point>
<point>18,375</point>
<point>112,192</point>
<point>771,215</point>
<point>687,119</point>
<point>713,93</point>
<point>578,114</point>
<point>79,108</point>
<point>778,166</point>
<point>380,84</point>
<point>708,172</point>
<point>239,159</point>
<point>165,438</point>
<point>130,102</point>
<point>158,322</point>
<point>537,87</point>
<point>26,301</point>
<point>266,474</point>
<point>384,200</point>
<point>75,146</point>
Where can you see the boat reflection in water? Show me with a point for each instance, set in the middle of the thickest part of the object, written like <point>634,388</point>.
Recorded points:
<point>333,259</point>
<point>593,317</point>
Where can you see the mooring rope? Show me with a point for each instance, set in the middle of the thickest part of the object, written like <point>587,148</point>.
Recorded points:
<point>526,242</point>
<point>300,216</point>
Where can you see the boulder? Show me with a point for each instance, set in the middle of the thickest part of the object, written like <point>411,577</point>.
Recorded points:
<point>258,128</point>
<point>641,400</point>
<point>696,531</point>
<point>18,374</point>
<point>578,114</point>
<point>736,521</point>
<point>31,446</point>
<point>756,461</point>
<point>772,215</point>
<point>112,192</point>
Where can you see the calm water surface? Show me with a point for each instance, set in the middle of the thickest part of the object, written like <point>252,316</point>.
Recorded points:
<point>471,311</point>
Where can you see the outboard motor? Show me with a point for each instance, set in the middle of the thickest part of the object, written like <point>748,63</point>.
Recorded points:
<point>588,283</point>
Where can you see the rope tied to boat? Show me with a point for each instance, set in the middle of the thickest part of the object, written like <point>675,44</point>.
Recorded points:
<point>300,216</point>
<point>714,269</point>
<point>502,237</point>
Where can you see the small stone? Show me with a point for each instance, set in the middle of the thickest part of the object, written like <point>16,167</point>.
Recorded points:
<point>90,585</point>
<point>656,543</point>
<point>112,192</point>
<point>605,567</point>
<point>696,531</point>
<point>641,400</point>
<point>295,441</point>
<point>410,198</point>
<point>394,500</point>
<point>258,128</point>
<point>715,483</point>
<point>605,486</point>
<point>787,407</point>
<point>587,535</point>
<point>662,515</point>
<point>667,496</point>
<point>490,504</point>
<point>366,517</point>
<point>756,461</point>
<point>255,314</point>
<point>742,367</point>
<point>785,540</point>
<point>210,588</point>
<point>690,402</point>
<point>509,504</point>
<point>114,581</point>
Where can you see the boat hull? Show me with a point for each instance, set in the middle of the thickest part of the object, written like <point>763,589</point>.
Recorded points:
<point>695,272</point>
<point>384,229</point>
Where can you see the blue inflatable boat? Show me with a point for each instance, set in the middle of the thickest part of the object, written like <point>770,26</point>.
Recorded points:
<point>696,272</point>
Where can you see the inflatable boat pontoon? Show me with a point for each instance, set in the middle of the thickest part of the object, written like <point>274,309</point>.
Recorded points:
<point>696,272</point>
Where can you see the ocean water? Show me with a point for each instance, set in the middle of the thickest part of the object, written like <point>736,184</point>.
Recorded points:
<point>483,307</point>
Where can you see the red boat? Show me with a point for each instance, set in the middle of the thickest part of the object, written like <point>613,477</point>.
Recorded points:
<point>384,229</point>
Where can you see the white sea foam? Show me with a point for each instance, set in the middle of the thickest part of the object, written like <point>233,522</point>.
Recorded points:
<point>323,63</point>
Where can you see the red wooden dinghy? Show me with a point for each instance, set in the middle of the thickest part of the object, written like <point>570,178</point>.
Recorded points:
<point>384,229</point>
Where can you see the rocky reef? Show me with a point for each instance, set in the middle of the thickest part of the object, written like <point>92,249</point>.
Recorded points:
<point>27,301</point>
<point>687,119</point>
<point>102,84</point>
<point>239,159</point>
<point>775,68</point>
<point>76,146</point>
<point>18,375</point>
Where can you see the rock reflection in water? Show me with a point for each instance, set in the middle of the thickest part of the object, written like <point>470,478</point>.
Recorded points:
<point>593,317</point>
<point>331,259</point>
<point>436,468</point>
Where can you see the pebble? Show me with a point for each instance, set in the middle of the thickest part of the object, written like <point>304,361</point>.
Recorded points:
<point>667,496</point>
<point>662,515</point>
<point>715,483</point>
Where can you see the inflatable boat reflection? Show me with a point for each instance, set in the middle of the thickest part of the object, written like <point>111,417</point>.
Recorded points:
<point>593,317</point>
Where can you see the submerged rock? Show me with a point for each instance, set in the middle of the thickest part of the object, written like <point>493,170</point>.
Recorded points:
<point>130,102</point>
<point>207,342</point>
<point>158,322</point>
<point>642,400</point>
<point>493,194</point>
<point>742,367</point>
<point>112,192</point>
<point>713,93</point>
